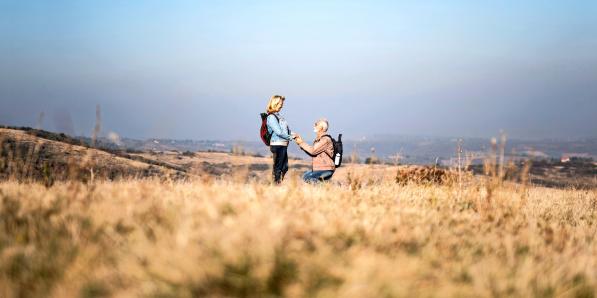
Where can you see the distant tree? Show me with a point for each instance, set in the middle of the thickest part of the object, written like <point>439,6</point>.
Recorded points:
<point>372,160</point>
<point>188,153</point>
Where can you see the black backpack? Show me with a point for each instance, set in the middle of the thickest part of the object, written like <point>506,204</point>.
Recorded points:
<point>338,150</point>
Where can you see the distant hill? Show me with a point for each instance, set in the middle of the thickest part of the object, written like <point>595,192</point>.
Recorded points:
<point>389,148</point>
<point>31,154</point>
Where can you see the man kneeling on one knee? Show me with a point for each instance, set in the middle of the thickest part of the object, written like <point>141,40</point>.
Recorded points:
<point>322,153</point>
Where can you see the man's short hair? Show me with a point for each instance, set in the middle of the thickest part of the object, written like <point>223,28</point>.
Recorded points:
<point>324,123</point>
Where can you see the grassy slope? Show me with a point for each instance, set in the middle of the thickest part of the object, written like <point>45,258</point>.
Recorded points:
<point>227,238</point>
<point>25,156</point>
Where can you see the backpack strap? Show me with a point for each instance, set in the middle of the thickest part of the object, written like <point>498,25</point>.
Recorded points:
<point>274,116</point>
<point>277,118</point>
<point>333,147</point>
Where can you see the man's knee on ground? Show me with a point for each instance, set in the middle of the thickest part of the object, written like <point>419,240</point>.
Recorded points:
<point>315,177</point>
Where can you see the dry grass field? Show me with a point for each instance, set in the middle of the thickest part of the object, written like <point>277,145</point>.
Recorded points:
<point>229,238</point>
<point>133,227</point>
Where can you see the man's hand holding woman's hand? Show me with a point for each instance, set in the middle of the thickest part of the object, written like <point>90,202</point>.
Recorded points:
<point>297,138</point>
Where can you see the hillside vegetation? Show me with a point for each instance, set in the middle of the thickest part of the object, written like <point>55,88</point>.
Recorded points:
<point>31,155</point>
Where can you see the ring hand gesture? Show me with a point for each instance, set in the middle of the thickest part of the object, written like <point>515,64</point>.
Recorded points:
<point>297,138</point>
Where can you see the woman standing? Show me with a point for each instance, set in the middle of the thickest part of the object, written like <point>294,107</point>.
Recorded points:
<point>278,127</point>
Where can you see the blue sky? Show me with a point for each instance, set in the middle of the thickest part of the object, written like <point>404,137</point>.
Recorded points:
<point>193,69</point>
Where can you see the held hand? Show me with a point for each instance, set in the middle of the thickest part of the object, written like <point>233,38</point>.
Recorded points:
<point>294,136</point>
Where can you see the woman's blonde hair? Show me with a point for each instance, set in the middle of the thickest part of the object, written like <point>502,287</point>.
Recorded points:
<point>274,103</point>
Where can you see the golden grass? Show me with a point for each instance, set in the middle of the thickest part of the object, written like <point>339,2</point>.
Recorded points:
<point>225,238</point>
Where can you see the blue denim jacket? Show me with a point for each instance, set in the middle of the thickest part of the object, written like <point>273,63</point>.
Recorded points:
<point>279,130</point>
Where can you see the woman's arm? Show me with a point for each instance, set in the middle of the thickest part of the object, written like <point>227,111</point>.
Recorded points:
<point>274,124</point>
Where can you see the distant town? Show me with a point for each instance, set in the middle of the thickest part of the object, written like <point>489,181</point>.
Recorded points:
<point>398,150</point>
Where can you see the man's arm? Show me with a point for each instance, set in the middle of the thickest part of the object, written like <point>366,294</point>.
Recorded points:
<point>317,149</point>
<point>273,123</point>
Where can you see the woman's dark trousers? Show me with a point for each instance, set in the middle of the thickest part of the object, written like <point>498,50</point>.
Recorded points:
<point>280,162</point>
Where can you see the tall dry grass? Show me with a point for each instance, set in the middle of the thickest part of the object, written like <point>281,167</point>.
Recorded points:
<point>420,232</point>
<point>233,238</point>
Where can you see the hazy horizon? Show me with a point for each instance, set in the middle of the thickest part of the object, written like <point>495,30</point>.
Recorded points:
<point>197,70</point>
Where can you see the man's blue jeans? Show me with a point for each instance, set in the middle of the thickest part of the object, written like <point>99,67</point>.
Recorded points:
<point>317,176</point>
